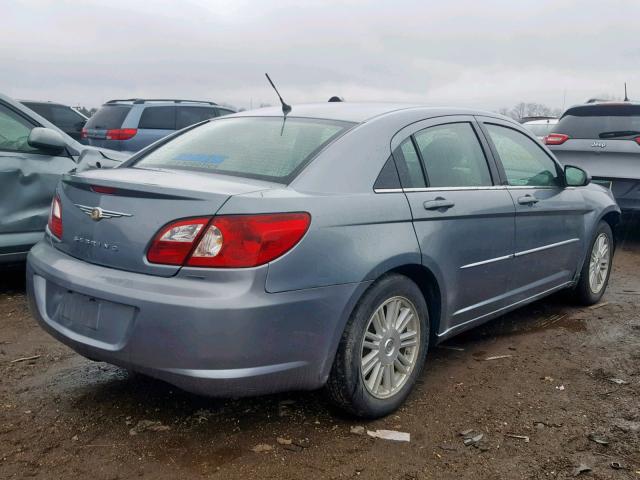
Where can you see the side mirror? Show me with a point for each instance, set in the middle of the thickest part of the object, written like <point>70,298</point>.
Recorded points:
<point>46,139</point>
<point>576,177</point>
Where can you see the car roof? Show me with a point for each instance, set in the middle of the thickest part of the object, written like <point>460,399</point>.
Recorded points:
<point>361,112</point>
<point>44,102</point>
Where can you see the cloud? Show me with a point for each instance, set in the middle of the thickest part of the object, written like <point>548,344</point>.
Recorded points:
<point>487,54</point>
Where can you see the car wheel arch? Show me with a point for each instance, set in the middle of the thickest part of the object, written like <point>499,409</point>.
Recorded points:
<point>428,284</point>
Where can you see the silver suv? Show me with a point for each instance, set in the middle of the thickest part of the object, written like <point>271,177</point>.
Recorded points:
<point>132,124</point>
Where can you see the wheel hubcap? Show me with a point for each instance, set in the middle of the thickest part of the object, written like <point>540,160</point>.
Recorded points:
<point>390,347</point>
<point>599,263</point>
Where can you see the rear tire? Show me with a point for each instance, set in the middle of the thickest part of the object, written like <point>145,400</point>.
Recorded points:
<point>382,350</point>
<point>595,273</point>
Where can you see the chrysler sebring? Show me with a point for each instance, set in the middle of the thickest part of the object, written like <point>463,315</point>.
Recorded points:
<point>330,247</point>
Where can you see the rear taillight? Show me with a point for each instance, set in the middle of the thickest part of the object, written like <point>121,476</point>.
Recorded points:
<point>174,242</point>
<point>83,133</point>
<point>121,133</point>
<point>228,241</point>
<point>637,139</point>
<point>55,218</point>
<point>555,139</point>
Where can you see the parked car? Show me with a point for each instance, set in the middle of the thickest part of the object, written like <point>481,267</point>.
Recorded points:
<point>34,153</point>
<point>603,138</point>
<point>255,253</point>
<point>67,119</point>
<point>540,127</point>
<point>130,125</point>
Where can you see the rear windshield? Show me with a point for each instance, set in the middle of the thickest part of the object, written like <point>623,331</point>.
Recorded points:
<point>600,121</point>
<point>108,116</point>
<point>256,147</point>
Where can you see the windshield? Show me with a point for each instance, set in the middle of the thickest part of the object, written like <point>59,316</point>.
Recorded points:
<point>600,121</point>
<point>254,147</point>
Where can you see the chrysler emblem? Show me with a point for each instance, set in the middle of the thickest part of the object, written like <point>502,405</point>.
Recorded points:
<point>97,213</point>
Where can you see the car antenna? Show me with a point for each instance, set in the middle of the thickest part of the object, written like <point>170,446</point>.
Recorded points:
<point>285,107</point>
<point>626,98</point>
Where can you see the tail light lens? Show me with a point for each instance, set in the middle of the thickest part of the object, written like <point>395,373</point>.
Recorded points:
<point>228,241</point>
<point>174,242</point>
<point>83,133</point>
<point>121,133</point>
<point>555,139</point>
<point>55,218</point>
<point>637,139</point>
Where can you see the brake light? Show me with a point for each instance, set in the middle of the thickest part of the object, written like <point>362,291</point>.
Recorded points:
<point>121,133</point>
<point>229,241</point>
<point>637,139</point>
<point>83,133</point>
<point>102,189</point>
<point>555,139</point>
<point>55,218</point>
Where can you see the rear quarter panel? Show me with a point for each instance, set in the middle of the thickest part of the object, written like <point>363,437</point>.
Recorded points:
<point>352,237</point>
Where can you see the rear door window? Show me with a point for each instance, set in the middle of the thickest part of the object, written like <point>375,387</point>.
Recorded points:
<point>452,156</point>
<point>224,111</point>
<point>158,118</point>
<point>524,162</point>
<point>600,121</point>
<point>409,166</point>
<point>255,147</point>
<point>108,117</point>
<point>190,115</point>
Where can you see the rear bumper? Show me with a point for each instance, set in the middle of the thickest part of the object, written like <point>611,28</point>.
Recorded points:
<point>214,336</point>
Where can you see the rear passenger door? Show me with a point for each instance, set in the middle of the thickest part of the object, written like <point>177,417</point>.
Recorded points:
<point>462,217</point>
<point>549,216</point>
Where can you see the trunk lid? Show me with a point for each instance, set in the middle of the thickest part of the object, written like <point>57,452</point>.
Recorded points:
<point>141,203</point>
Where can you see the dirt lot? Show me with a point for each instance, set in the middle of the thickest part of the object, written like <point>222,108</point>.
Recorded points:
<point>62,416</point>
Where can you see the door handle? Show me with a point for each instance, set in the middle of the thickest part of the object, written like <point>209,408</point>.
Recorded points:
<point>528,200</point>
<point>438,203</point>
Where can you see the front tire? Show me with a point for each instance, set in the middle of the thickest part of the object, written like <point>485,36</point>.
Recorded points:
<point>595,273</point>
<point>382,350</point>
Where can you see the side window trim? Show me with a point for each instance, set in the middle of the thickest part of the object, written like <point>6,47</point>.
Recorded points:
<point>498,161</point>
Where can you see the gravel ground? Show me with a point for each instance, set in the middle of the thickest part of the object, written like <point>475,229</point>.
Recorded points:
<point>62,416</point>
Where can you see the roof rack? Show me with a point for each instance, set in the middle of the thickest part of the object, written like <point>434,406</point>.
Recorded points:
<point>145,100</point>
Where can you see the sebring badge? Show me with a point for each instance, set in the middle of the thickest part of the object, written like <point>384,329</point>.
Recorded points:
<point>97,213</point>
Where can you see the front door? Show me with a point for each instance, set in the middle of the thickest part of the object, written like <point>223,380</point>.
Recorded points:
<point>463,220</point>
<point>549,216</point>
<point>28,178</point>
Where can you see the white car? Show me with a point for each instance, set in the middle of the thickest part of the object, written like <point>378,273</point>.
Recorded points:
<point>542,127</point>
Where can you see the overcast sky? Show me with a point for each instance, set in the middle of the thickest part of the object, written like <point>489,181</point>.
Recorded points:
<point>487,54</point>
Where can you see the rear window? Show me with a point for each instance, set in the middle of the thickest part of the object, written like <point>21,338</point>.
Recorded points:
<point>256,147</point>
<point>158,118</point>
<point>600,121</point>
<point>108,116</point>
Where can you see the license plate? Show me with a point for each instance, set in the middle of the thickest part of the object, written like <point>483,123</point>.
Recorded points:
<point>79,311</point>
